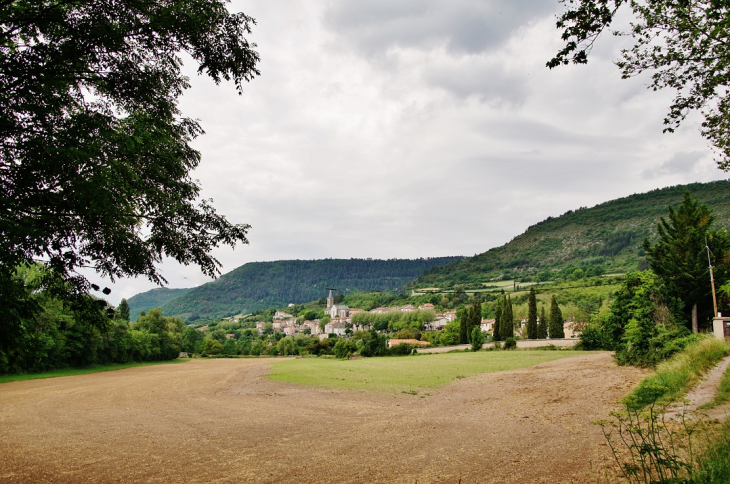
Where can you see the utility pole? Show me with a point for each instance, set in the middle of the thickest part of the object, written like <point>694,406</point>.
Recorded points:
<point>712,278</point>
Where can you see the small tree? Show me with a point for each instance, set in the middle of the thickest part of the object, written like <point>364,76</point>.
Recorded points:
<point>124,310</point>
<point>542,325</point>
<point>532,315</point>
<point>477,338</point>
<point>556,320</point>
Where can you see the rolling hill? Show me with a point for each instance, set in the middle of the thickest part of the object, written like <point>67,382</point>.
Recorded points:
<point>152,299</point>
<point>261,285</point>
<point>603,239</point>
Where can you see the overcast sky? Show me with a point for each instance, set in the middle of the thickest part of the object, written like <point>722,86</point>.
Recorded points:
<point>399,128</point>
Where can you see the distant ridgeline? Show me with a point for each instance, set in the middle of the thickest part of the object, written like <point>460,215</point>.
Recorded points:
<point>153,298</point>
<point>261,285</point>
<point>603,239</point>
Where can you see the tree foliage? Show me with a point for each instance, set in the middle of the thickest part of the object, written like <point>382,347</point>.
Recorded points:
<point>542,325</point>
<point>497,334</point>
<point>123,310</point>
<point>95,156</point>
<point>679,257</point>
<point>507,324</point>
<point>555,324</point>
<point>532,315</point>
<point>684,44</point>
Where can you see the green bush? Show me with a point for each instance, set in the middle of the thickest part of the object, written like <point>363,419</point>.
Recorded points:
<point>401,350</point>
<point>592,338</point>
<point>510,344</point>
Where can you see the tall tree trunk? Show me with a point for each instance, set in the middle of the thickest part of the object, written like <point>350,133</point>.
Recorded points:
<point>695,325</point>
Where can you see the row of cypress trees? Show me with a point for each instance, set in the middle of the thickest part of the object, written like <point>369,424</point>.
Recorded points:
<point>536,328</point>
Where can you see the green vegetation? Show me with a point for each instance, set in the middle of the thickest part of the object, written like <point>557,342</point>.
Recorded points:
<point>676,376</point>
<point>555,323</point>
<point>680,260</point>
<point>154,298</point>
<point>413,373</point>
<point>713,464</point>
<point>262,285</point>
<point>587,242</point>
<point>82,371</point>
<point>95,154</point>
<point>56,335</point>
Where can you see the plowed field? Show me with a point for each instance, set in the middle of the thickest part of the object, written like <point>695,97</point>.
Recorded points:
<point>222,421</point>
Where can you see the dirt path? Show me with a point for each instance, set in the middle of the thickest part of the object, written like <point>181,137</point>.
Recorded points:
<point>703,393</point>
<point>219,421</point>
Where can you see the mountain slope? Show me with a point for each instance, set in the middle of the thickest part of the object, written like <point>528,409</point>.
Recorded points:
<point>260,285</point>
<point>153,298</point>
<point>602,239</point>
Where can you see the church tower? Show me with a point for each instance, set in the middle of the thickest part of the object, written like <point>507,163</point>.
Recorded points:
<point>330,301</point>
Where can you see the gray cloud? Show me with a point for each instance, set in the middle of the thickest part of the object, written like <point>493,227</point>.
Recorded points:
<point>681,163</point>
<point>463,26</point>
<point>430,128</point>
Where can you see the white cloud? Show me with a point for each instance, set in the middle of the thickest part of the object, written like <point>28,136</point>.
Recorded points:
<point>409,129</point>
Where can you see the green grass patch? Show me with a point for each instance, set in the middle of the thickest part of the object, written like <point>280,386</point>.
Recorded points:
<point>714,463</point>
<point>405,374</point>
<point>673,378</point>
<point>82,371</point>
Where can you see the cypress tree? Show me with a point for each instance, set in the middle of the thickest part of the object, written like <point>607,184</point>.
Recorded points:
<point>556,320</point>
<point>542,325</point>
<point>124,310</point>
<point>507,329</point>
<point>463,326</point>
<point>532,315</point>
<point>476,316</point>
<point>497,335</point>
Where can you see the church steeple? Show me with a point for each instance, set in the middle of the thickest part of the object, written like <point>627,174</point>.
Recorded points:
<point>330,300</point>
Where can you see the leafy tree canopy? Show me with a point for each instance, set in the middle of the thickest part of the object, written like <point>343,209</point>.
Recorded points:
<point>682,43</point>
<point>95,157</point>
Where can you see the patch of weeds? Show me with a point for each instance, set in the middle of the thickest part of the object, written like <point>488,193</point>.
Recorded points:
<point>410,392</point>
<point>460,376</point>
<point>648,448</point>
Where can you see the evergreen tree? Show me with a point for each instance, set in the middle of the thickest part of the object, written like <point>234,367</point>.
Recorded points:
<point>679,257</point>
<point>542,325</point>
<point>477,339</point>
<point>463,326</point>
<point>532,315</point>
<point>507,329</point>
<point>556,320</point>
<point>124,310</point>
<point>497,335</point>
<point>476,317</point>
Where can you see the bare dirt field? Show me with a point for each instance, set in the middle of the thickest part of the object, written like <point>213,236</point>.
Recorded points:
<point>222,421</point>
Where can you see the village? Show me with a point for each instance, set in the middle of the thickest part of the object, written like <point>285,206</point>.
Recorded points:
<point>341,321</point>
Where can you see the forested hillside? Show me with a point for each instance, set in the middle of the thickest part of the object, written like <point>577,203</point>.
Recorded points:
<point>153,298</point>
<point>260,285</point>
<point>593,241</point>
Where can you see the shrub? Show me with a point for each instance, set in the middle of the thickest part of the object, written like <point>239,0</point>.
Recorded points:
<point>401,350</point>
<point>477,338</point>
<point>510,344</point>
<point>593,337</point>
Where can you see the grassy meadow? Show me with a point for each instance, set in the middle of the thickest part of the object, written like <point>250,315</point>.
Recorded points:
<point>405,374</point>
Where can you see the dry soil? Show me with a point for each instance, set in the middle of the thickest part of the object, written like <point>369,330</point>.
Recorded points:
<point>222,421</point>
